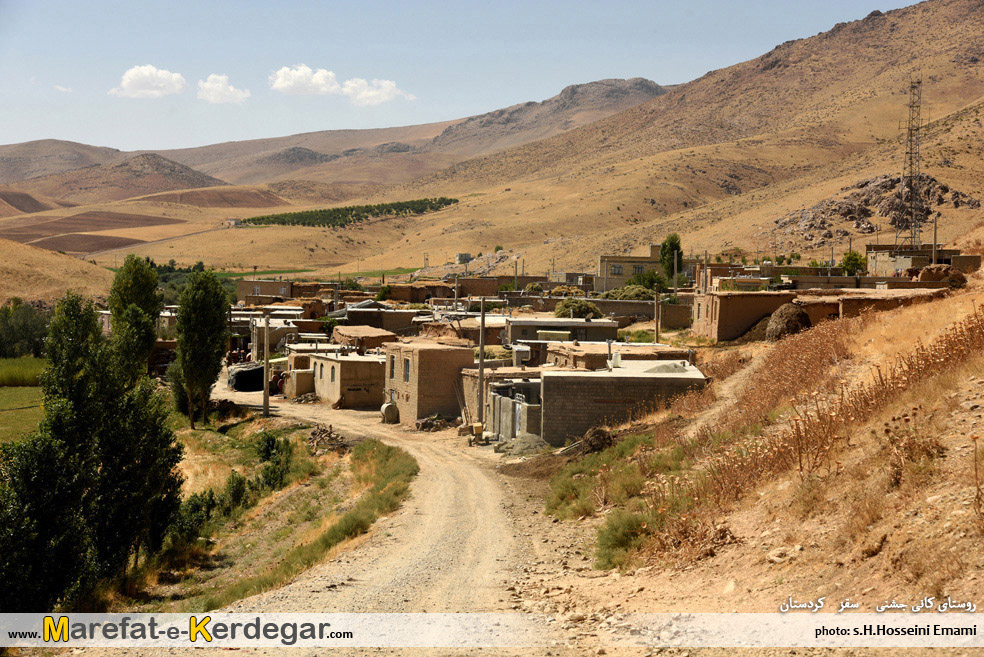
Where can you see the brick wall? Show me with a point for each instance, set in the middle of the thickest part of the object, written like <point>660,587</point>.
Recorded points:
<point>675,316</point>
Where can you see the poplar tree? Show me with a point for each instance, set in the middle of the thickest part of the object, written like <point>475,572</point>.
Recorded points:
<point>203,339</point>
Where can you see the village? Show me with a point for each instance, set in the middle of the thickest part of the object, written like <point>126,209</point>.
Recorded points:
<point>607,329</point>
<point>530,363</point>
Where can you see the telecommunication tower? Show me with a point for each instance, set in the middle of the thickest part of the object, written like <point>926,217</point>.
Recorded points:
<point>910,206</point>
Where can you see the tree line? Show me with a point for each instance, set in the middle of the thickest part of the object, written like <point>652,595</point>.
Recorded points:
<point>350,214</point>
<point>22,329</point>
<point>97,486</point>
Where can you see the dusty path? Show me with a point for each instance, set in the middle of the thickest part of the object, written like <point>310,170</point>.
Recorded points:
<point>454,546</point>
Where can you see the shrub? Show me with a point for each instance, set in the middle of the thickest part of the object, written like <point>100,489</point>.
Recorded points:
<point>566,291</point>
<point>621,535</point>
<point>533,288</point>
<point>630,293</point>
<point>579,308</point>
<point>385,292</point>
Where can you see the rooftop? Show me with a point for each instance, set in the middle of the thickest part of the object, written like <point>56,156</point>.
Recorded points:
<point>349,357</point>
<point>361,331</point>
<point>560,321</point>
<point>669,369</point>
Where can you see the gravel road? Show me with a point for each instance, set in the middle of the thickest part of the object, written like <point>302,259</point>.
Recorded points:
<point>452,547</point>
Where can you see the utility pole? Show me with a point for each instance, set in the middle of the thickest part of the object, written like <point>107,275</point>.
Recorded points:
<point>515,274</point>
<point>675,260</point>
<point>266,366</point>
<point>481,363</point>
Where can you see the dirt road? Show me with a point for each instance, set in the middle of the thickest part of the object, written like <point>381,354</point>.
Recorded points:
<point>452,547</point>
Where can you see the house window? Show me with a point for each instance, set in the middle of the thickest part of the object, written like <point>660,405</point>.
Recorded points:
<point>637,269</point>
<point>321,372</point>
<point>332,373</point>
<point>392,366</point>
<point>256,290</point>
<point>616,270</point>
<point>406,370</point>
<point>283,290</point>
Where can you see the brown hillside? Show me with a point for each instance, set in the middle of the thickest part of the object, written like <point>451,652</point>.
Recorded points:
<point>221,198</point>
<point>32,273</point>
<point>258,160</point>
<point>137,176</point>
<point>576,105</point>
<point>47,156</point>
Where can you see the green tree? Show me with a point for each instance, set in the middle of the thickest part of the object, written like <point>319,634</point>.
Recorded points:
<point>650,279</point>
<point>853,263</point>
<point>138,490</point>
<point>669,251</point>
<point>202,338</point>
<point>134,303</point>
<point>46,550</point>
<point>22,329</point>
<point>135,283</point>
<point>98,480</point>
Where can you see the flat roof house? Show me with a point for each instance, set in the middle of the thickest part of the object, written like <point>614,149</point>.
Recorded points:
<point>362,338</point>
<point>348,380</point>
<point>423,378</point>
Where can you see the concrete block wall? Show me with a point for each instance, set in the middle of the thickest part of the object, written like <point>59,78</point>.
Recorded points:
<point>572,404</point>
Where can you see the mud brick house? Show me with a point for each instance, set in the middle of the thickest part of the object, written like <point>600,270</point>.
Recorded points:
<point>362,338</point>
<point>423,378</point>
<point>347,380</point>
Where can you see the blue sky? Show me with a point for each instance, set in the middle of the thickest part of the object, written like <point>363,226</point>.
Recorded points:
<point>62,63</point>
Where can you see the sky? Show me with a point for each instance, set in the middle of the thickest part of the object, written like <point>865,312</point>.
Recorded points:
<point>155,75</point>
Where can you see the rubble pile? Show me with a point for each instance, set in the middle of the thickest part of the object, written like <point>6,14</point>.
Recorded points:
<point>435,423</point>
<point>858,204</point>
<point>324,439</point>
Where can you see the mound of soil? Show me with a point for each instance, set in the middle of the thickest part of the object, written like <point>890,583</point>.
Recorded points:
<point>788,319</point>
<point>540,467</point>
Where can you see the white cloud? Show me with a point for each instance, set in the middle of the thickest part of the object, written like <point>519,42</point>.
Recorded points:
<point>375,92</point>
<point>149,82</point>
<point>216,89</point>
<point>64,90</point>
<point>301,80</point>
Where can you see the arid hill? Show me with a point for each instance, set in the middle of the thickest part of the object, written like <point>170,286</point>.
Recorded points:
<point>376,156</point>
<point>38,274</point>
<point>399,161</point>
<point>576,105</point>
<point>137,176</point>
<point>47,156</point>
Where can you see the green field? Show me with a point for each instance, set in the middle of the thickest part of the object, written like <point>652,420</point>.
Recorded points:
<point>20,412</point>
<point>268,272</point>
<point>20,371</point>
